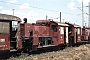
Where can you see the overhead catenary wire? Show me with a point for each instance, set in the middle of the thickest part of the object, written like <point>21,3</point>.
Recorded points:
<point>39,8</point>
<point>83,11</point>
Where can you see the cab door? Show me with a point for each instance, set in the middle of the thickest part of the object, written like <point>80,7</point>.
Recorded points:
<point>54,33</point>
<point>78,34</point>
<point>61,35</point>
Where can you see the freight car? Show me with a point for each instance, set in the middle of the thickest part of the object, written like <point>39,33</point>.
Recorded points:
<point>9,38</point>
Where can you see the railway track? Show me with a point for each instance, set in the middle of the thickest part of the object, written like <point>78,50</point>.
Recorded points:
<point>38,52</point>
<point>15,55</point>
<point>70,53</point>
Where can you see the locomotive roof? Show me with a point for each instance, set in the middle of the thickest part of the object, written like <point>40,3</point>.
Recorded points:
<point>42,21</point>
<point>74,25</point>
<point>9,17</point>
<point>87,27</point>
<point>45,21</point>
<point>62,24</point>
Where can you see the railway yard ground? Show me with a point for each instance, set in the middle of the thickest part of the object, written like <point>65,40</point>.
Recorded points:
<point>69,53</point>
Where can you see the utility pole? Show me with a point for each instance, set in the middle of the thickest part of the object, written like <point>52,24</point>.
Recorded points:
<point>60,16</point>
<point>63,20</point>
<point>82,15</point>
<point>13,11</point>
<point>85,24</point>
<point>89,16</point>
<point>46,17</point>
<point>13,15</point>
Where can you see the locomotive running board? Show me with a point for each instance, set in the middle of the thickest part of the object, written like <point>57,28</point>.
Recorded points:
<point>46,46</point>
<point>12,50</point>
<point>84,41</point>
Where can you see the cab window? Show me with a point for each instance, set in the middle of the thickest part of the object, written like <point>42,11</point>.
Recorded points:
<point>54,28</point>
<point>14,25</point>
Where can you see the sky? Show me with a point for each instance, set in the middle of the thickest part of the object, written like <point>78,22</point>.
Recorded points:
<point>38,9</point>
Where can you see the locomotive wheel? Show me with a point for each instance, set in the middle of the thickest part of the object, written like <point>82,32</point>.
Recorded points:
<point>89,39</point>
<point>88,42</point>
<point>30,52</point>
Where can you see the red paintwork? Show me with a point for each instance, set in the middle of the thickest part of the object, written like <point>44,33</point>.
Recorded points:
<point>74,30</point>
<point>4,42</point>
<point>43,21</point>
<point>45,29</point>
<point>85,32</point>
<point>38,31</point>
<point>35,41</point>
<point>57,40</point>
<point>41,30</point>
<point>19,44</point>
<point>79,35</point>
<point>60,36</point>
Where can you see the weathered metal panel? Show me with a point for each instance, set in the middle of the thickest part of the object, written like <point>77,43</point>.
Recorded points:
<point>41,31</point>
<point>4,27</point>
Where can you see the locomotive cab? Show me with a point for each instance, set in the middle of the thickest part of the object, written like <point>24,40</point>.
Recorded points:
<point>74,34</point>
<point>63,32</point>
